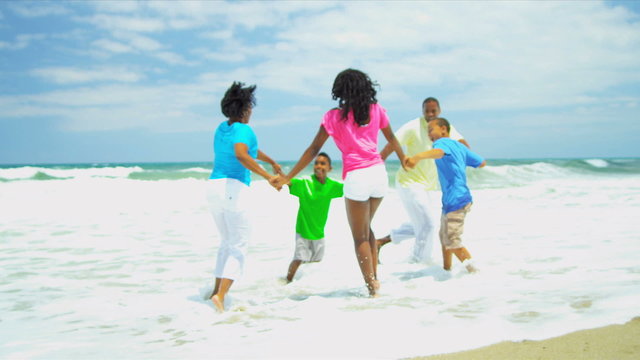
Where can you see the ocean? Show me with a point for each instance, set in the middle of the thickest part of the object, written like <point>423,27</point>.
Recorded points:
<point>103,261</point>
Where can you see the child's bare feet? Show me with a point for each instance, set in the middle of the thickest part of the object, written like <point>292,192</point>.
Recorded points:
<point>218,303</point>
<point>468,264</point>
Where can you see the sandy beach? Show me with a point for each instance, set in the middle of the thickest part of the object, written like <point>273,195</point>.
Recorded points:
<point>610,342</point>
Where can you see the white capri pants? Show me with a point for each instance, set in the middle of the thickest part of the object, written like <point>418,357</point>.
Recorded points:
<point>228,201</point>
<point>423,209</point>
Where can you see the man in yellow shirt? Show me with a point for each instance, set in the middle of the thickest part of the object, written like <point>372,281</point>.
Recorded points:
<point>417,188</point>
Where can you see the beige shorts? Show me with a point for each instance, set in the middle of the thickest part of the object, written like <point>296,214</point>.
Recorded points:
<point>308,250</point>
<point>452,226</point>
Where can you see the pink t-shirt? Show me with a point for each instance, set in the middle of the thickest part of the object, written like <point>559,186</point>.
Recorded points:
<point>358,144</point>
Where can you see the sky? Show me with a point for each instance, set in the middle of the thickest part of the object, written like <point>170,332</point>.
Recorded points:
<point>141,81</point>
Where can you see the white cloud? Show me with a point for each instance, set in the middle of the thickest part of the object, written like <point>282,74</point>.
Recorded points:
<point>138,42</point>
<point>38,9</point>
<point>172,58</point>
<point>22,41</point>
<point>480,56</point>
<point>125,23</point>
<point>291,114</point>
<point>116,6</point>
<point>516,55</point>
<point>112,46</point>
<point>221,56</point>
<point>217,35</point>
<point>65,75</point>
<point>158,108</point>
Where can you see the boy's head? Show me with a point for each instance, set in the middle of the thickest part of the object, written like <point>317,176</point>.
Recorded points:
<point>322,166</point>
<point>430,108</point>
<point>438,128</point>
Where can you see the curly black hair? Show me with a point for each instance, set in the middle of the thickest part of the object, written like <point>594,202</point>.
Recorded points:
<point>356,92</point>
<point>237,100</point>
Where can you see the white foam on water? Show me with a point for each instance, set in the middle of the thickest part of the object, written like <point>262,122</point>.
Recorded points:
<point>599,163</point>
<point>27,172</point>
<point>110,267</point>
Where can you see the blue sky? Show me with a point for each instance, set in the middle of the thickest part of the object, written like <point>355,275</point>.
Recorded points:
<point>117,81</point>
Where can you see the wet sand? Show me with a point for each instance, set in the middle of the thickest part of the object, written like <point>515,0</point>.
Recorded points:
<point>618,342</point>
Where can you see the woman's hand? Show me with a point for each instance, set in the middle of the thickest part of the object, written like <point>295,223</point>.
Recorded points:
<point>278,181</point>
<point>277,169</point>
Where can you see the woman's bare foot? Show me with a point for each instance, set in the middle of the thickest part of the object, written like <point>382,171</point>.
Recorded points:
<point>218,303</point>
<point>374,287</point>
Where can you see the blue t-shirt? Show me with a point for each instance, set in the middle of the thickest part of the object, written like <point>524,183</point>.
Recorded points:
<point>452,173</point>
<point>225,164</point>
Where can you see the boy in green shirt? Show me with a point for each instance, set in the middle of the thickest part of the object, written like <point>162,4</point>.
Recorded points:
<point>314,193</point>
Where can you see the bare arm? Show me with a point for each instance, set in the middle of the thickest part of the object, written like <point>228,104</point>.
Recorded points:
<point>242,154</point>
<point>309,154</point>
<point>386,151</point>
<point>429,154</point>
<point>394,144</point>
<point>276,167</point>
<point>465,143</point>
<point>484,163</point>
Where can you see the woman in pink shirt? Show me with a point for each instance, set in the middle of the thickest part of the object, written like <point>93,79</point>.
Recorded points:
<point>354,126</point>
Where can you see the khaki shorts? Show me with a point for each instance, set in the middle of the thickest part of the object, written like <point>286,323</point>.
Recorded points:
<point>452,226</point>
<point>308,250</point>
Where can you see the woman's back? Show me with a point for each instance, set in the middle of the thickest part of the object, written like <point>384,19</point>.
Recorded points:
<point>358,144</point>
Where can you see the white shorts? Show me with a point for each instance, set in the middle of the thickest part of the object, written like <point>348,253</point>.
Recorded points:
<point>362,184</point>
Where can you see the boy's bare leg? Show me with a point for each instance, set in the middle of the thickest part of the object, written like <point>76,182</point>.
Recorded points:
<point>216,287</point>
<point>447,256</point>
<point>293,267</point>
<point>461,253</point>
<point>222,290</point>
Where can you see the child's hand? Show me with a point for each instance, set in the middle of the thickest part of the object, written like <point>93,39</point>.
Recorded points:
<point>409,162</point>
<point>278,181</point>
<point>275,182</point>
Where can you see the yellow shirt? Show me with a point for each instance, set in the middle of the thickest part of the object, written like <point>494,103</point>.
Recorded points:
<point>414,138</point>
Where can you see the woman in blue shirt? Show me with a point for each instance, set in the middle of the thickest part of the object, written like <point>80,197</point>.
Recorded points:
<point>236,150</point>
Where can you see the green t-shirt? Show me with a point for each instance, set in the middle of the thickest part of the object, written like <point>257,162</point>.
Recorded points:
<point>314,198</point>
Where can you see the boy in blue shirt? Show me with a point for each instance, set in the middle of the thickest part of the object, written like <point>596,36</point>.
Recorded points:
<point>314,193</point>
<point>452,158</point>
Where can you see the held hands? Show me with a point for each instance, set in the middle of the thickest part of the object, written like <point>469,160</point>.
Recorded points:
<point>409,162</point>
<point>278,181</point>
<point>282,181</point>
<point>275,180</point>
